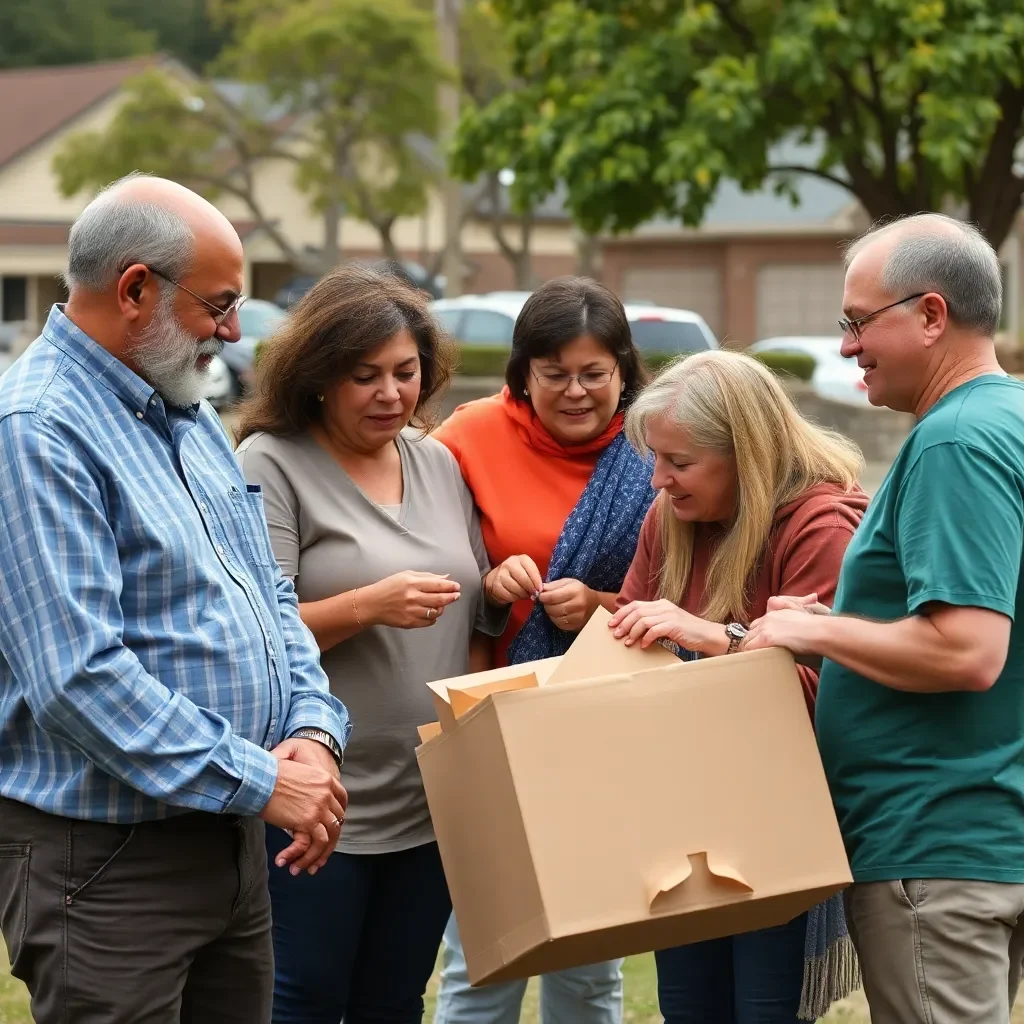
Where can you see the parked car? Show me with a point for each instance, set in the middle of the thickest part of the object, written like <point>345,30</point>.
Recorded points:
<point>487,320</point>
<point>219,390</point>
<point>414,273</point>
<point>835,377</point>
<point>259,319</point>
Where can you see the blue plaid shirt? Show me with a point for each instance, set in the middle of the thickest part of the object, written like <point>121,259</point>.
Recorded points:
<point>151,652</point>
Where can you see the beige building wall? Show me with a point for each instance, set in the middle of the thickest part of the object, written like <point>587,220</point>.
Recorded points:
<point>28,186</point>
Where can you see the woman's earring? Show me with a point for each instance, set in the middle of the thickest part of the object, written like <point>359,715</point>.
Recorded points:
<point>526,391</point>
<point>319,398</point>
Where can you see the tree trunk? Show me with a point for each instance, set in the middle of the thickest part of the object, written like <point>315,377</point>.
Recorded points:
<point>523,262</point>
<point>387,243</point>
<point>331,252</point>
<point>587,251</point>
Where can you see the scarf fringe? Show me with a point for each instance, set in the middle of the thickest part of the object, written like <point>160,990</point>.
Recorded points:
<point>829,978</point>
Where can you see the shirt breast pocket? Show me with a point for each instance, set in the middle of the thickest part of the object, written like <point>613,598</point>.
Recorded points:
<point>251,525</point>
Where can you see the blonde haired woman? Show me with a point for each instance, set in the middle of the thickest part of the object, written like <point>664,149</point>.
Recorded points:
<point>755,502</point>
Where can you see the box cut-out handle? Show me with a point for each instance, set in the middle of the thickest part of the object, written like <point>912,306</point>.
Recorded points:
<point>670,882</point>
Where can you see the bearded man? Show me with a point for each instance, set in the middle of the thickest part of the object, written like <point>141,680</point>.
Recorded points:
<point>159,695</point>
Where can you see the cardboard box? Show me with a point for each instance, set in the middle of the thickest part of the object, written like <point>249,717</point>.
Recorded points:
<point>616,813</point>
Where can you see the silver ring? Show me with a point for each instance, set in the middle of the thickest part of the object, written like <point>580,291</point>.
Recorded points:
<point>431,613</point>
<point>338,821</point>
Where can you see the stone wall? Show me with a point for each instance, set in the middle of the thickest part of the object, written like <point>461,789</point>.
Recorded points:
<point>879,432</point>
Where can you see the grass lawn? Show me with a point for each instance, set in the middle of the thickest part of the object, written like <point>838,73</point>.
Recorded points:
<point>641,998</point>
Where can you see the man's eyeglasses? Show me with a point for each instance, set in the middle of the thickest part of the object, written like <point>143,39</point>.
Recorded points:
<point>855,325</point>
<point>220,315</point>
<point>590,380</point>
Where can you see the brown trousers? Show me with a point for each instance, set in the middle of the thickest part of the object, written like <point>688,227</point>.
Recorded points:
<point>938,950</point>
<point>164,922</point>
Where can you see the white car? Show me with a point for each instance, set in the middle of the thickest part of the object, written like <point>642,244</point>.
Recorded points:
<point>218,390</point>
<point>488,320</point>
<point>219,386</point>
<point>835,377</point>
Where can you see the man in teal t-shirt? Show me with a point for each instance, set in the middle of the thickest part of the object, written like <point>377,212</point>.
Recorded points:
<point>920,712</point>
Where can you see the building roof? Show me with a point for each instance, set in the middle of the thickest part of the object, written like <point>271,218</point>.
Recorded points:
<point>35,102</point>
<point>822,205</point>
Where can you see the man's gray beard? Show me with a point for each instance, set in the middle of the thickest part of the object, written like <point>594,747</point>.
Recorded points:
<point>165,355</point>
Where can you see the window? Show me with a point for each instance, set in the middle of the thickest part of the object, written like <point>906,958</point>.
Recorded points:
<point>667,336</point>
<point>259,319</point>
<point>450,320</point>
<point>14,298</point>
<point>484,327</point>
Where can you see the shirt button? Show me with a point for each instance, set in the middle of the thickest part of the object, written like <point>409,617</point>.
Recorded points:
<point>202,507</point>
<point>152,401</point>
<point>140,415</point>
<point>220,550</point>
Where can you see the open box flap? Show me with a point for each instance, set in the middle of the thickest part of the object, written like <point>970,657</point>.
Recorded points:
<point>596,652</point>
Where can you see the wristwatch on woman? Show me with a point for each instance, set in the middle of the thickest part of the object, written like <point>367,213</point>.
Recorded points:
<point>324,737</point>
<point>736,633</point>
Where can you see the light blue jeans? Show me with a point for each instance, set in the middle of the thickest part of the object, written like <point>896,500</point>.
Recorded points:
<point>582,995</point>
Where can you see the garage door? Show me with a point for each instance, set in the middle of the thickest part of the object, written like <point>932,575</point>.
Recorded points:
<point>799,298</point>
<point>696,288</point>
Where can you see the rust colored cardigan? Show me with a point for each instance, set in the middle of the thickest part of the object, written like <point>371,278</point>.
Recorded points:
<point>805,550</point>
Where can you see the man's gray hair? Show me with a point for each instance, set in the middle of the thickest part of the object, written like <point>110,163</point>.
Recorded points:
<point>935,253</point>
<point>116,230</point>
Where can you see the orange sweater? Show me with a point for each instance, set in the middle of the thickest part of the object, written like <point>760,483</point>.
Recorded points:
<point>523,481</point>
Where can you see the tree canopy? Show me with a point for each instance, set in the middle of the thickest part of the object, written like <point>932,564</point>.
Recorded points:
<point>342,86</point>
<point>641,107</point>
<point>53,32</point>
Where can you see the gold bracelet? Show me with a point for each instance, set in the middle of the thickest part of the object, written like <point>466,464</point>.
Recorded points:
<point>355,610</point>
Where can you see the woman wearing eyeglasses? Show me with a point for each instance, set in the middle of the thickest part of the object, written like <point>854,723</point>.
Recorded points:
<point>561,496</point>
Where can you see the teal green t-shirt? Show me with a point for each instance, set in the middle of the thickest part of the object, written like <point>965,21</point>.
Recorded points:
<point>932,785</point>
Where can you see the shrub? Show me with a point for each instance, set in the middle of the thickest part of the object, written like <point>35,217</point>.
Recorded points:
<point>788,364</point>
<point>785,364</point>
<point>482,361</point>
<point>490,360</point>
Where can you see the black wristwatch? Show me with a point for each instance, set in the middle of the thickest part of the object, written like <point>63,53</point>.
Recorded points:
<point>324,737</point>
<point>736,633</point>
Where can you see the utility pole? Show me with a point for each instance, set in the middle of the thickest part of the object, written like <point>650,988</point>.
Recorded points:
<point>446,13</point>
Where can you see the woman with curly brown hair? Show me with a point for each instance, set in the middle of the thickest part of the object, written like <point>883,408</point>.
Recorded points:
<point>379,532</point>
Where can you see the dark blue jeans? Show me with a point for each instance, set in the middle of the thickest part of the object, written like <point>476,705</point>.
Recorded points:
<point>753,978</point>
<point>358,939</point>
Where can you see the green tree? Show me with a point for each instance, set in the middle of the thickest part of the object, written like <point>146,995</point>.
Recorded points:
<point>640,107</point>
<point>337,86</point>
<point>44,32</point>
<point>52,32</point>
<point>359,77</point>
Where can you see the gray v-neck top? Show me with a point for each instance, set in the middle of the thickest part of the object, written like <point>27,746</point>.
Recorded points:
<point>332,538</point>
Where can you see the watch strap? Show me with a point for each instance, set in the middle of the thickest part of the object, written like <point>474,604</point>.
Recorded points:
<point>324,737</point>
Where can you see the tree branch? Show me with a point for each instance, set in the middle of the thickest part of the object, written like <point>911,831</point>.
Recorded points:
<point>497,226</point>
<point>987,189</point>
<point>739,28</point>
<point>922,178</point>
<point>468,210</point>
<point>886,130</point>
<point>813,171</point>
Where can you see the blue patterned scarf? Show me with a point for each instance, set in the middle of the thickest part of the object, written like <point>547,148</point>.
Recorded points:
<point>596,545</point>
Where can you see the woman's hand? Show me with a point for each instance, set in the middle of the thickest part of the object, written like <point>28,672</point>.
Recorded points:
<point>407,600</point>
<point>807,603</point>
<point>516,579</point>
<point>568,603</point>
<point>649,621</point>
